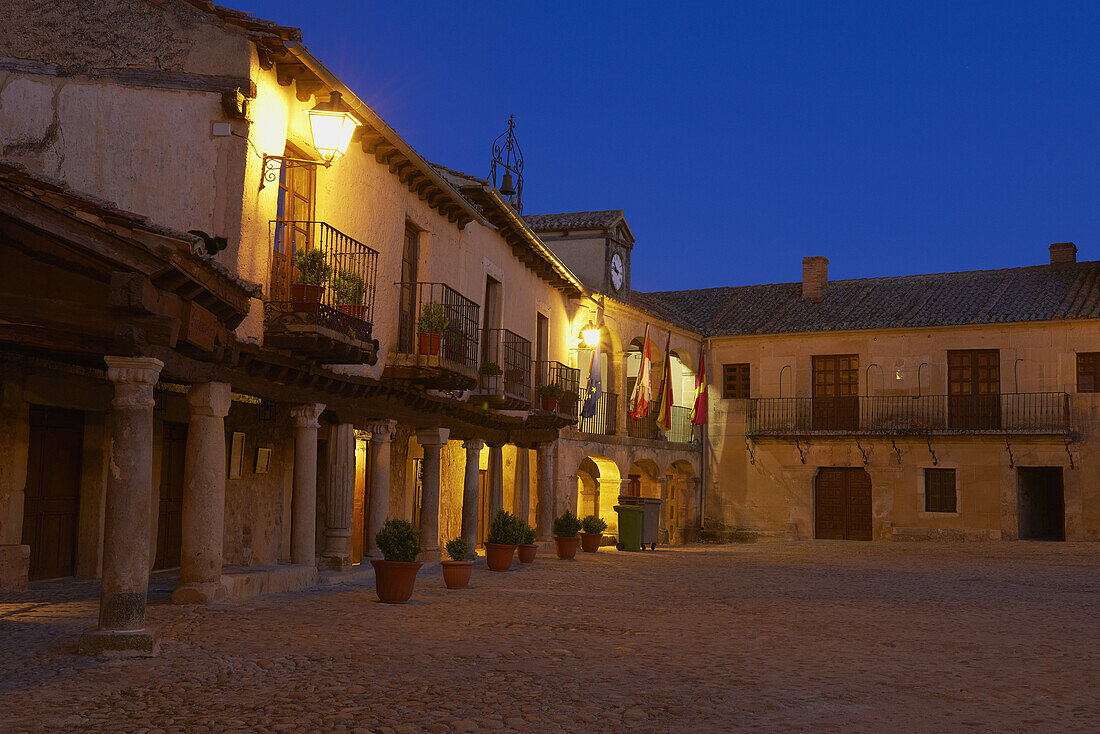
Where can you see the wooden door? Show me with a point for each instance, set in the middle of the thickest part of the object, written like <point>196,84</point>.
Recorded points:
<point>407,302</point>
<point>842,504</point>
<point>293,215</point>
<point>542,349</point>
<point>482,506</point>
<point>170,516</point>
<point>52,500</point>
<point>836,392</point>
<point>974,389</point>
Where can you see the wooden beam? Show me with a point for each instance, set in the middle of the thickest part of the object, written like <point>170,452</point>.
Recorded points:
<point>286,73</point>
<point>304,90</point>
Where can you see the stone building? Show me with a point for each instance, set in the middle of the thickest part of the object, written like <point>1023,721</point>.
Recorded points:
<point>173,395</point>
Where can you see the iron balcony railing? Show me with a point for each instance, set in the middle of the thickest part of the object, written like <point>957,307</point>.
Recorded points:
<point>645,427</point>
<point>604,420</point>
<point>567,378</point>
<point>509,356</point>
<point>681,430</point>
<point>1020,413</point>
<point>344,300</point>
<point>434,320</point>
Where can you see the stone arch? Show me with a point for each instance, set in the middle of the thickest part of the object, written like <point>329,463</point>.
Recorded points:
<point>647,475</point>
<point>598,483</point>
<point>683,379</point>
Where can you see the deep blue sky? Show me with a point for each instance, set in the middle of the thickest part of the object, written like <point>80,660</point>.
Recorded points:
<point>890,137</point>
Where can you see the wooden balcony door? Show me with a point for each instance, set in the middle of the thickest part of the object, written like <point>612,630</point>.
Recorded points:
<point>973,389</point>
<point>406,315</point>
<point>836,392</point>
<point>52,499</point>
<point>297,187</point>
<point>542,348</point>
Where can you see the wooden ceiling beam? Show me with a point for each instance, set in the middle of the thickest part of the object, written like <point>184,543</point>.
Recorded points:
<point>286,73</point>
<point>305,89</point>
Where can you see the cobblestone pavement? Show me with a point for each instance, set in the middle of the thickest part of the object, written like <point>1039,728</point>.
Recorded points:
<point>792,636</point>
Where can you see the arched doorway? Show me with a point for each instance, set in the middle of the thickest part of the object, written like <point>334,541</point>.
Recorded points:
<point>598,484</point>
<point>681,509</point>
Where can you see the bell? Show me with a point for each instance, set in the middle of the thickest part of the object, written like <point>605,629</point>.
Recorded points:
<point>506,186</point>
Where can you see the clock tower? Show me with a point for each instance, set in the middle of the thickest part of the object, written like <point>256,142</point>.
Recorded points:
<point>596,246</point>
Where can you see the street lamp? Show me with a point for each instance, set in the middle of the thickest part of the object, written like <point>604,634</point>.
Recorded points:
<point>591,335</point>
<point>331,126</point>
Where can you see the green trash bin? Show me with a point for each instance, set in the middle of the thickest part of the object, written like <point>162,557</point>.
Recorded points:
<point>630,527</point>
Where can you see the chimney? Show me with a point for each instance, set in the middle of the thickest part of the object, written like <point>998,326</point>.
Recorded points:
<point>815,274</point>
<point>1062,253</point>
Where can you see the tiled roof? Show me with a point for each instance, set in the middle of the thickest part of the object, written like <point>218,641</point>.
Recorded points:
<point>1035,293</point>
<point>573,220</point>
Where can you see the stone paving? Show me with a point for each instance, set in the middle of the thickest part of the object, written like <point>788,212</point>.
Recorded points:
<point>828,636</point>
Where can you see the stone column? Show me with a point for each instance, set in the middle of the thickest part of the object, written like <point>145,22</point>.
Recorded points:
<point>523,483</point>
<point>378,503</point>
<point>496,480</point>
<point>339,497</point>
<point>470,498</point>
<point>662,523</point>
<point>303,510</point>
<point>545,491</point>
<point>204,472</point>
<point>126,524</point>
<point>432,440</point>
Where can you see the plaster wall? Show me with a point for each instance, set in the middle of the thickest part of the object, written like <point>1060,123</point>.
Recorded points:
<point>585,253</point>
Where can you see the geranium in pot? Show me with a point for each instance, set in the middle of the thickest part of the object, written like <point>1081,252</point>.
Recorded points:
<point>348,287</point>
<point>505,533</point>
<point>592,534</point>
<point>431,326</point>
<point>456,572</point>
<point>395,574</point>
<point>528,548</point>
<point>549,395</point>
<point>566,527</point>
<point>311,271</point>
<point>490,373</point>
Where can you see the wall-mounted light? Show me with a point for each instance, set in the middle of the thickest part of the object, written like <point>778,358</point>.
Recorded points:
<point>331,124</point>
<point>591,335</point>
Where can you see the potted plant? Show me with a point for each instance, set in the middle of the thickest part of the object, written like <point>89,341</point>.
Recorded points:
<point>312,270</point>
<point>395,574</point>
<point>456,572</point>
<point>431,326</point>
<point>549,396</point>
<point>566,527</point>
<point>527,547</point>
<point>490,376</point>
<point>592,534</point>
<point>348,289</point>
<point>505,533</point>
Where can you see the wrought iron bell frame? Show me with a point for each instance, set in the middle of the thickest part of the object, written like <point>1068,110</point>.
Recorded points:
<point>508,162</point>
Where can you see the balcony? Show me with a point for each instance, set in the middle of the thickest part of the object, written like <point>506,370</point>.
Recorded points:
<point>681,430</point>
<point>1013,413</point>
<point>332,321</point>
<point>566,379</point>
<point>504,378</point>
<point>437,338</point>
<point>604,420</point>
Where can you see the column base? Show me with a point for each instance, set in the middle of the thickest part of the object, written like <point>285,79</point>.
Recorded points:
<point>196,593</point>
<point>334,562</point>
<point>129,643</point>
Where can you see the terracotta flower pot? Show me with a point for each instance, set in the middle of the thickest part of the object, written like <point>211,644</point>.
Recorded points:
<point>499,557</point>
<point>457,573</point>
<point>394,580</point>
<point>305,297</point>
<point>429,343</point>
<point>527,553</point>
<point>355,310</point>
<point>590,542</point>
<point>549,403</point>
<point>566,547</point>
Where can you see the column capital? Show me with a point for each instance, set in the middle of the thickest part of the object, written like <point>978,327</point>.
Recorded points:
<point>381,431</point>
<point>133,369</point>
<point>210,399</point>
<point>473,444</point>
<point>432,436</point>
<point>306,415</point>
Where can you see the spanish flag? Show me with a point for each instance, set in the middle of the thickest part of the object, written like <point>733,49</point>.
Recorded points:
<point>639,399</point>
<point>699,408</point>
<point>664,407</point>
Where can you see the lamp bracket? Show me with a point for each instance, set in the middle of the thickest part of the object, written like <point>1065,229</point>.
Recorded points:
<point>272,164</point>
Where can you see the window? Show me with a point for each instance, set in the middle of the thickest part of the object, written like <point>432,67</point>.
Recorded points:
<point>735,381</point>
<point>1088,372</point>
<point>939,490</point>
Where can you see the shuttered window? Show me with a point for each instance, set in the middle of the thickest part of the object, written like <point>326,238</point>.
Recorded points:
<point>735,381</point>
<point>939,490</point>
<point>1088,372</point>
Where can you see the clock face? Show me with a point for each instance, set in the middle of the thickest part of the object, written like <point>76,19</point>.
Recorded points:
<point>617,271</point>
